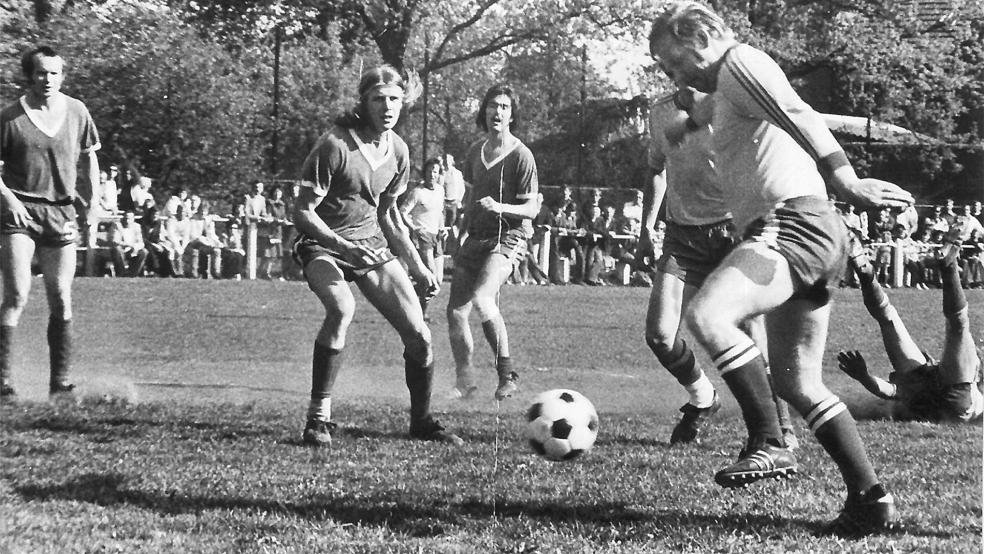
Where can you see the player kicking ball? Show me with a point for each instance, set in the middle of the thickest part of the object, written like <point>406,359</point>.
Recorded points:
<point>942,391</point>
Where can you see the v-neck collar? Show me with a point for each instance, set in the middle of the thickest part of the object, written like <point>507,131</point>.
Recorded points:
<point>49,131</point>
<point>375,160</point>
<point>489,165</point>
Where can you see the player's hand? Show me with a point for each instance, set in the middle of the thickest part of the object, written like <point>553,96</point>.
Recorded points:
<point>488,204</point>
<point>426,283</point>
<point>644,251</point>
<point>871,192</point>
<point>361,255</point>
<point>852,363</point>
<point>17,211</point>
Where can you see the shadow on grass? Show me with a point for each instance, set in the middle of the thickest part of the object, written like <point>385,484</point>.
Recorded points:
<point>401,515</point>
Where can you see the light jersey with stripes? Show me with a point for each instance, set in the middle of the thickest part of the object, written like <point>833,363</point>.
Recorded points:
<point>767,140</point>
<point>508,179</point>
<point>425,208</point>
<point>694,193</point>
<point>41,162</point>
<point>351,176</point>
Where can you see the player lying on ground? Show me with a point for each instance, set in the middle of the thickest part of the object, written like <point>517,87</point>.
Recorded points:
<point>926,390</point>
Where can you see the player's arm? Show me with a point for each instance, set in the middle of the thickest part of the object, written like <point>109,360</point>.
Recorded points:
<point>16,208</point>
<point>852,363</point>
<point>527,205</point>
<point>762,91</point>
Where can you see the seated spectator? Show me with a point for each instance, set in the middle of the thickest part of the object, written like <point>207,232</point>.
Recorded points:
<point>178,198</point>
<point>936,221</point>
<point>598,240</point>
<point>631,216</point>
<point>568,247</point>
<point>972,261</point>
<point>126,246</point>
<point>203,254</point>
<point>233,253</point>
<point>160,252</point>
<point>965,224</point>
<point>912,265</point>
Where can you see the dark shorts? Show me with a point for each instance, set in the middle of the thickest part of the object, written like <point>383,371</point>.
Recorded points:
<point>473,254</point>
<point>423,241</point>
<point>691,252</point>
<point>924,398</point>
<point>51,225</point>
<point>813,239</point>
<point>306,250</point>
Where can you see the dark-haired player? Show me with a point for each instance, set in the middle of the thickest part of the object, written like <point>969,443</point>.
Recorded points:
<point>347,219</point>
<point>498,222</point>
<point>948,390</point>
<point>44,138</point>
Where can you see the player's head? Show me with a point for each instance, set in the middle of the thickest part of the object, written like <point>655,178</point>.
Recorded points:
<point>44,70</point>
<point>689,41</point>
<point>499,107</point>
<point>383,92</point>
<point>433,171</point>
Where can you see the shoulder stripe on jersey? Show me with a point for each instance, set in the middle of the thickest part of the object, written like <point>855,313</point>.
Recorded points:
<point>767,102</point>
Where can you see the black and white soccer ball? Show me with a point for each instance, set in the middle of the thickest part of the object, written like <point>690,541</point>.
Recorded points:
<point>561,424</point>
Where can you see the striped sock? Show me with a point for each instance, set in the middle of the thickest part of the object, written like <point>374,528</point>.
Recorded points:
<point>835,429</point>
<point>743,369</point>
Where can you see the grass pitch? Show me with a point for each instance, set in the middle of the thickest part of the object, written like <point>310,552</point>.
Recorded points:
<point>195,394</point>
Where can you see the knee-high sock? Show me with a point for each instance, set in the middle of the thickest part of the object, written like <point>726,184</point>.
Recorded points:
<point>326,364</point>
<point>837,432</point>
<point>60,350</point>
<point>678,359</point>
<point>743,369</point>
<point>6,346</point>
<point>954,298</point>
<point>419,381</point>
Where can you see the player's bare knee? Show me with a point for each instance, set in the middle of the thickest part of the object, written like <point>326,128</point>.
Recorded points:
<point>659,342</point>
<point>486,308</point>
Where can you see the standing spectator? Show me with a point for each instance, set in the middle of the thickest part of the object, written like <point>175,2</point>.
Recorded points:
<point>936,221</point>
<point>272,231</point>
<point>126,245</point>
<point>589,205</point>
<point>948,212</point>
<point>454,192</point>
<point>141,195</point>
<point>110,194</point>
<point>795,243</point>
<point>255,215</point>
<point>498,222</point>
<point>883,257</point>
<point>632,215</point>
<point>972,260</point>
<point>965,224</point>
<point>423,208</point>
<point>978,212</point>
<point>349,227</point>
<point>177,235</point>
<point>178,198</point>
<point>912,269</point>
<point>292,272</point>
<point>44,138</point>
<point>882,222</point>
<point>597,240</point>
<point>909,219</point>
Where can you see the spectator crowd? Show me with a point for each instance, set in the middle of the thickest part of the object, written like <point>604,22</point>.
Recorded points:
<point>581,236</point>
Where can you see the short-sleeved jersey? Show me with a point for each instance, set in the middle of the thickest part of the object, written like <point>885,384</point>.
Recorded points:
<point>454,185</point>
<point>695,194</point>
<point>350,178</point>
<point>425,208</point>
<point>767,140</point>
<point>508,179</point>
<point>43,163</point>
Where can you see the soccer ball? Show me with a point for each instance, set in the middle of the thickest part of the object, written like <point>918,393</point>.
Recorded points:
<point>561,424</point>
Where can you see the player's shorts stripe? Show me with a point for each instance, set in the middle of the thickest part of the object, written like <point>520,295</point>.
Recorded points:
<point>824,412</point>
<point>736,356</point>
<point>761,96</point>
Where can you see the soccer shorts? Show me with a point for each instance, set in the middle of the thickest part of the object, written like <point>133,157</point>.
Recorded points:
<point>925,398</point>
<point>424,241</point>
<point>813,239</point>
<point>306,250</point>
<point>691,252</point>
<point>473,254</point>
<point>52,224</point>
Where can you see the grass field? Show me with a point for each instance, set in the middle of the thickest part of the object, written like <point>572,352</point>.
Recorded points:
<point>205,455</point>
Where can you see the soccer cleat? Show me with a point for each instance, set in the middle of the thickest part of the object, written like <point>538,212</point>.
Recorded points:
<point>756,462</point>
<point>317,432</point>
<point>507,385</point>
<point>62,392</point>
<point>429,429</point>
<point>693,421</point>
<point>871,513</point>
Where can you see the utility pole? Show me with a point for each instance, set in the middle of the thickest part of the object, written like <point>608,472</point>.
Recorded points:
<point>423,149</point>
<point>274,138</point>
